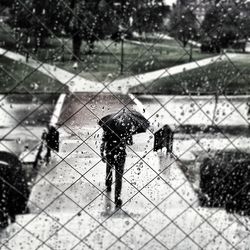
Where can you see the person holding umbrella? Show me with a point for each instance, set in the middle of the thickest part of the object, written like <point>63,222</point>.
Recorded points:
<point>118,130</point>
<point>52,141</point>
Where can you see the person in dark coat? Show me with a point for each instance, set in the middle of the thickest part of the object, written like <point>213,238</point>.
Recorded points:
<point>52,142</point>
<point>14,189</point>
<point>248,110</point>
<point>113,152</point>
<point>164,139</point>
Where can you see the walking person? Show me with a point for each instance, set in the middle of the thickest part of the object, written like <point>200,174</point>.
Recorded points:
<point>164,140</point>
<point>248,110</point>
<point>113,152</point>
<point>52,142</point>
<point>42,146</point>
<point>27,56</point>
<point>118,129</point>
<point>170,140</point>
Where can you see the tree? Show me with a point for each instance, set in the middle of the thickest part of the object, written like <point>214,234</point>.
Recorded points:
<point>149,16</point>
<point>7,3</point>
<point>141,16</point>
<point>92,20</point>
<point>183,24</point>
<point>36,18</point>
<point>86,21</point>
<point>226,24</point>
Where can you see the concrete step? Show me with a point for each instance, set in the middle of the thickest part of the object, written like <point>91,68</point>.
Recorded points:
<point>67,213</point>
<point>199,228</point>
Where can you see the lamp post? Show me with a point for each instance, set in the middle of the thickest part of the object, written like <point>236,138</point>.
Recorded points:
<point>63,45</point>
<point>191,52</point>
<point>122,53</point>
<point>121,31</point>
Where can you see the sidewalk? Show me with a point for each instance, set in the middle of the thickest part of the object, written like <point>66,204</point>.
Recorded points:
<point>165,37</point>
<point>71,210</point>
<point>88,193</point>
<point>194,110</point>
<point>57,220</point>
<point>74,82</point>
<point>77,83</point>
<point>159,45</point>
<point>125,84</point>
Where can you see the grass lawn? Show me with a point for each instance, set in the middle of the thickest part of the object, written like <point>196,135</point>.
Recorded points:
<point>7,39</point>
<point>222,77</point>
<point>106,58</point>
<point>19,78</point>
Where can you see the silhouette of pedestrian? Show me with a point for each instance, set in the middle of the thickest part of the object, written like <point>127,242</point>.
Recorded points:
<point>164,139</point>
<point>40,150</point>
<point>52,142</point>
<point>118,130</point>
<point>113,152</point>
<point>27,57</point>
<point>248,111</point>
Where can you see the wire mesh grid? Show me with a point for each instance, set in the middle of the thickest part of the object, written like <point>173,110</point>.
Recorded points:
<point>69,204</point>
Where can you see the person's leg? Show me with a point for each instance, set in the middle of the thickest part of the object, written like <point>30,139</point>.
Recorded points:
<point>171,142</point>
<point>109,178</point>
<point>167,145</point>
<point>119,169</point>
<point>48,155</point>
<point>4,213</point>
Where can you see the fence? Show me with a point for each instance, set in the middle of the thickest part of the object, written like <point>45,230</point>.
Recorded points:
<point>172,201</point>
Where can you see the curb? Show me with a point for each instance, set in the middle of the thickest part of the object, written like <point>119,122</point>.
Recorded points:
<point>57,110</point>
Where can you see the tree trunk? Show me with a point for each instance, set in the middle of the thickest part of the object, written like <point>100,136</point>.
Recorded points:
<point>76,42</point>
<point>91,47</point>
<point>40,40</point>
<point>191,53</point>
<point>185,42</point>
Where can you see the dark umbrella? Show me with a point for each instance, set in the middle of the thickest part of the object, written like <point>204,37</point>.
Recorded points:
<point>125,122</point>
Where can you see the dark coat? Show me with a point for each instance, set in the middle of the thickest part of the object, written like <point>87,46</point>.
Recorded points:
<point>164,138</point>
<point>115,144</point>
<point>52,139</point>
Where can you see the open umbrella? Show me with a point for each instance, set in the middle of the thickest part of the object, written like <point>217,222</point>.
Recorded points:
<point>125,122</point>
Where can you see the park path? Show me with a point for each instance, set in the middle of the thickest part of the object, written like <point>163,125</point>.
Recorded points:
<point>125,83</point>
<point>70,209</point>
<point>161,45</point>
<point>68,203</point>
<point>230,111</point>
<point>76,83</point>
<point>71,80</point>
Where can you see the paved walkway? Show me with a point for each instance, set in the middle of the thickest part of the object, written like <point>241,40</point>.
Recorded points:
<point>77,83</point>
<point>159,44</point>
<point>71,210</point>
<point>194,110</point>
<point>73,81</point>
<point>132,81</point>
<point>66,187</point>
